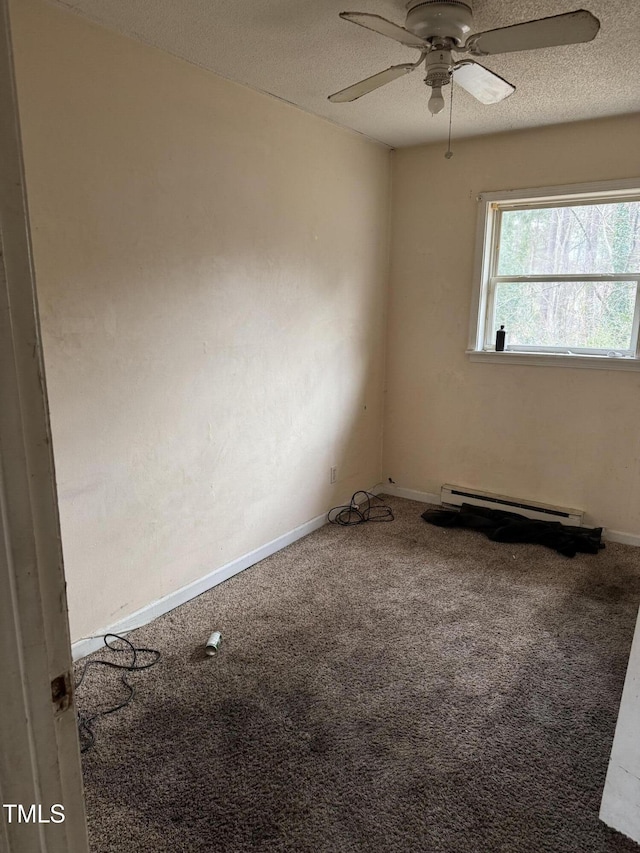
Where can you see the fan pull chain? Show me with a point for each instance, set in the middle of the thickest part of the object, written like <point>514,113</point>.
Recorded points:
<point>449,153</point>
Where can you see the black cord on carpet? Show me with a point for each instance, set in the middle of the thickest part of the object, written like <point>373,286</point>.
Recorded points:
<point>87,721</point>
<point>358,510</point>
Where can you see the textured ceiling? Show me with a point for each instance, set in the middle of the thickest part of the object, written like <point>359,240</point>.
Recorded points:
<point>301,51</point>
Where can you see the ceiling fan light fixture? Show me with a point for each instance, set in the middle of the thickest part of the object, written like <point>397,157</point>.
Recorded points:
<point>438,64</point>
<point>436,101</point>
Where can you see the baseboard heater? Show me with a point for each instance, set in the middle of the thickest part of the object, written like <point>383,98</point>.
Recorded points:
<point>458,495</point>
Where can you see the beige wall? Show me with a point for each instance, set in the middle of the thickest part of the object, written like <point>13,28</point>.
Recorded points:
<point>212,267</point>
<point>557,435</point>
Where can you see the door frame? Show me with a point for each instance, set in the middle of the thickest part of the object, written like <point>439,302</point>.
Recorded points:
<point>39,749</point>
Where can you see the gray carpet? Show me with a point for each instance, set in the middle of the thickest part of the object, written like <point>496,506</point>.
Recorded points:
<point>386,687</point>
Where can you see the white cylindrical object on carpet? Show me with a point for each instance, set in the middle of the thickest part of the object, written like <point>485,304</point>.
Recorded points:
<point>213,643</point>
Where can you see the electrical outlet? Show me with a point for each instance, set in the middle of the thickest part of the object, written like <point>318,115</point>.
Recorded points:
<point>334,474</point>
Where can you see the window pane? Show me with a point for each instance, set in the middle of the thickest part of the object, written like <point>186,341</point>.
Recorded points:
<point>584,315</point>
<point>593,239</point>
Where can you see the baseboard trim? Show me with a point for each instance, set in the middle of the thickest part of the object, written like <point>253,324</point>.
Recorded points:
<point>146,614</point>
<point>411,495</point>
<point>430,498</point>
<point>622,538</point>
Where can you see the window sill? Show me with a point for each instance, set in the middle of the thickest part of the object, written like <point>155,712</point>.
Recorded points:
<point>538,359</point>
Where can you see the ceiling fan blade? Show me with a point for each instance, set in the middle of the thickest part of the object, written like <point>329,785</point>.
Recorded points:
<point>385,28</point>
<point>570,28</point>
<point>351,93</point>
<point>487,87</point>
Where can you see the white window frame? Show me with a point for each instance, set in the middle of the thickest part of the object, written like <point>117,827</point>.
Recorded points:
<point>491,205</point>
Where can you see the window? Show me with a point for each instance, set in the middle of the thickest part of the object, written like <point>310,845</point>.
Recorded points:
<point>560,270</point>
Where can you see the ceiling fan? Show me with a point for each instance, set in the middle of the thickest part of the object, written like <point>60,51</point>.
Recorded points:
<point>440,28</point>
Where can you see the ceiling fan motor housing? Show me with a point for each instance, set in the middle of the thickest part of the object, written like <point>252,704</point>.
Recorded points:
<point>433,19</point>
